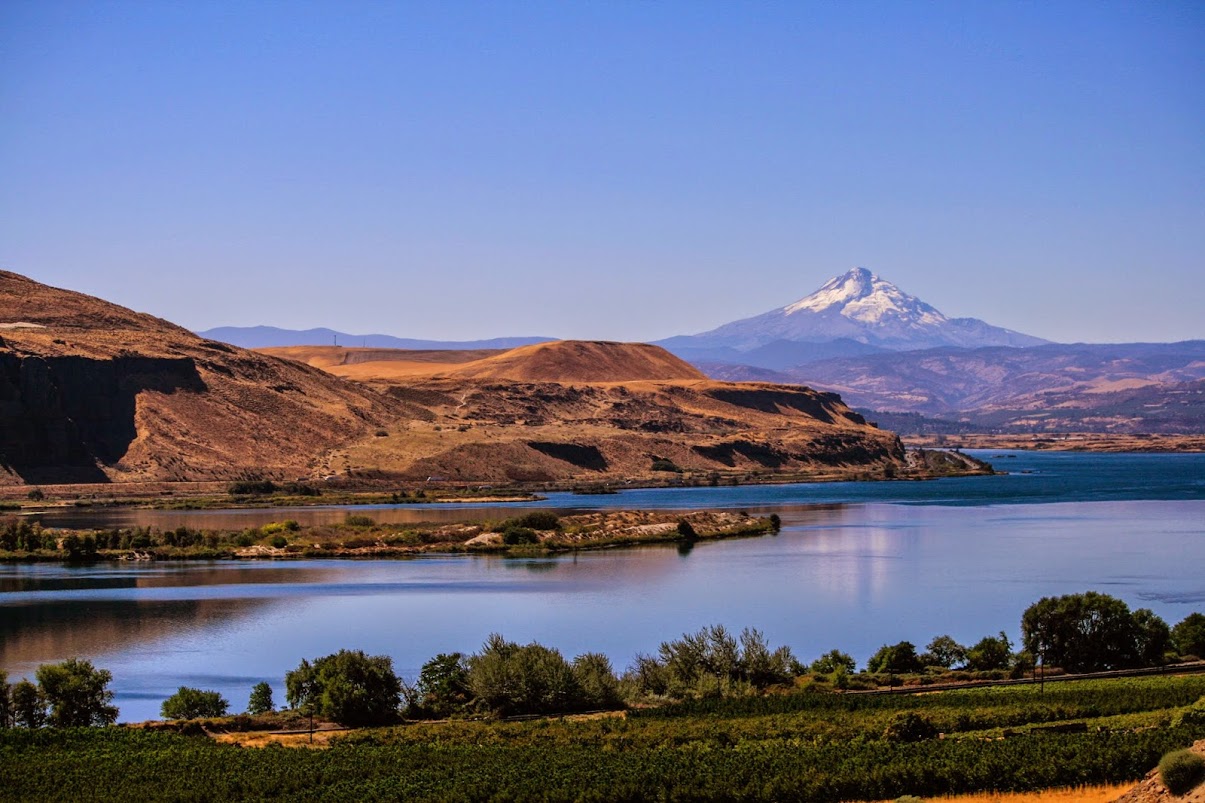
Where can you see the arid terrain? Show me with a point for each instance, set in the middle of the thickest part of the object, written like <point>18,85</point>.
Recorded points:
<point>94,392</point>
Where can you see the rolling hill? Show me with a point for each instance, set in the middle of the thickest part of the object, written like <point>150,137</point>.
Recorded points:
<point>94,392</point>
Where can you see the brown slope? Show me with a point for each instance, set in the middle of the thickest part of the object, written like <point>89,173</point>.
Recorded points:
<point>580,361</point>
<point>96,392</point>
<point>365,364</point>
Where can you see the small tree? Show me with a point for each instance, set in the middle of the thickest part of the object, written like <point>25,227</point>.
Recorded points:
<point>596,681</point>
<point>1189,635</point>
<point>443,685</point>
<point>945,651</point>
<point>529,679</point>
<point>833,661</point>
<point>1089,632</point>
<point>992,652</point>
<point>6,708</point>
<point>190,703</point>
<point>261,699</point>
<point>29,706</point>
<point>348,687</point>
<point>78,694</point>
<point>895,659</point>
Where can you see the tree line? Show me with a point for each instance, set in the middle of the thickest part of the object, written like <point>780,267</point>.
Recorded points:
<point>1076,632</point>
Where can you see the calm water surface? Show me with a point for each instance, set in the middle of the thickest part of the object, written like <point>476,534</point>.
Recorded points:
<point>856,565</point>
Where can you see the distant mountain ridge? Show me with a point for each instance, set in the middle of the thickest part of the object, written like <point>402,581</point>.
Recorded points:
<point>856,309</point>
<point>259,337</point>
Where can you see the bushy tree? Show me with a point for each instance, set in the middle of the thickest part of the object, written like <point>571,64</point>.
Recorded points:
<point>1090,632</point>
<point>190,703</point>
<point>895,659</point>
<point>6,706</point>
<point>77,693</point>
<point>596,681</point>
<point>261,699</point>
<point>1153,638</point>
<point>991,652</point>
<point>29,706</point>
<point>509,679</point>
<point>833,661</point>
<point>348,687</point>
<point>713,662</point>
<point>944,651</point>
<point>1189,635</point>
<point>443,685</point>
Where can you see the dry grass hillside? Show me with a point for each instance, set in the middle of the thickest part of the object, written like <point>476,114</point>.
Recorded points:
<point>91,391</point>
<point>574,411</point>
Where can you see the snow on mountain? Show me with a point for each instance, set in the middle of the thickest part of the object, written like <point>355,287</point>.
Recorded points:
<point>858,306</point>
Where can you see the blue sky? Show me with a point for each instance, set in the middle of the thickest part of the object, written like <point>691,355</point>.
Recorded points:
<point>621,170</point>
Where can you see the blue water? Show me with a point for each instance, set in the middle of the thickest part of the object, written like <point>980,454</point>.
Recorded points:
<point>855,566</point>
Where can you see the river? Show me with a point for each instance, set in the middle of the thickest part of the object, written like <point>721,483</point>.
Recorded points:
<point>855,566</point>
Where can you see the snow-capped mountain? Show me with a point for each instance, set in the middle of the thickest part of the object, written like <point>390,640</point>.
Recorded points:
<point>855,308</point>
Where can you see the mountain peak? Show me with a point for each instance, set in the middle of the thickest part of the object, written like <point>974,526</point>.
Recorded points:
<point>862,296</point>
<point>858,306</point>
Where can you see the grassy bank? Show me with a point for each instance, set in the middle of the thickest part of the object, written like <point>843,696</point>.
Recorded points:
<point>360,536</point>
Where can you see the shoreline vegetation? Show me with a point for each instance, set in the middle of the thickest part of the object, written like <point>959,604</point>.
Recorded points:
<point>361,536</point>
<point>709,716</point>
<point>369,487</point>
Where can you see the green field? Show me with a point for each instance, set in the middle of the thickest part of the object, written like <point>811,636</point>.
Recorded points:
<point>802,746</point>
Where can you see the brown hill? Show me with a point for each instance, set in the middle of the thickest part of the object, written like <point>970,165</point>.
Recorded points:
<point>580,361</point>
<point>91,392</point>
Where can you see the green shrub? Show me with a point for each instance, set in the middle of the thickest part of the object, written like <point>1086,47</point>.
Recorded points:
<point>538,520</point>
<point>348,687</point>
<point>664,464</point>
<point>687,530</point>
<point>1193,715</point>
<point>514,536</point>
<point>358,520</point>
<point>279,541</point>
<point>1181,771</point>
<point>909,726</point>
<point>188,703</point>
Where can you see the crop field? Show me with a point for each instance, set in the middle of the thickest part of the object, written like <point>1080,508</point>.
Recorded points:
<point>803,746</point>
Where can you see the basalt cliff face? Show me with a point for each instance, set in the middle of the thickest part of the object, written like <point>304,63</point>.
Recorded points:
<point>94,392</point>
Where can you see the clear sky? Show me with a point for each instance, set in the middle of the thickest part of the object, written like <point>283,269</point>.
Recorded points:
<point>622,169</point>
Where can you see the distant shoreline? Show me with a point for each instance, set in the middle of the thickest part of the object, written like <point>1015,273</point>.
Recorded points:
<point>1063,442</point>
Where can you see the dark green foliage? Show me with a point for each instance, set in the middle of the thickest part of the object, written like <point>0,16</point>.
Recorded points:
<point>358,520</point>
<point>909,726</point>
<point>443,686</point>
<point>687,530</point>
<point>992,652</point>
<point>712,663</point>
<point>300,489</point>
<point>593,761</point>
<point>509,679</point>
<point>278,541</point>
<point>1091,631</point>
<point>261,699</point>
<point>29,709</point>
<point>36,495</point>
<point>348,687</point>
<point>190,703</point>
<point>596,682</point>
<point>665,464</point>
<point>944,651</point>
<point>895,659</point>
<point>537,520</point>
<point>251,488</point>
<point>833,661</point>
<point>1189,635</point>
<point>516,536</point>
<point>775,522</point>
<point>6,704</point>
<point>77,694</point>
<point>1181,771</point>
